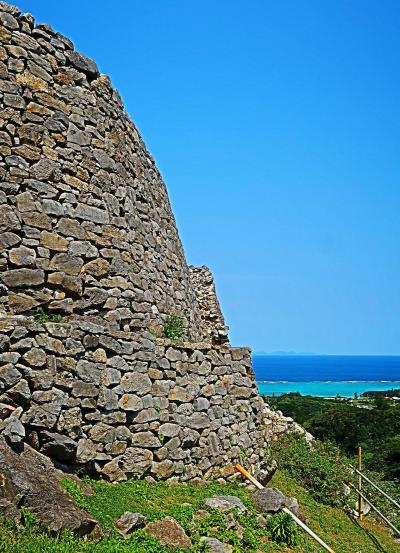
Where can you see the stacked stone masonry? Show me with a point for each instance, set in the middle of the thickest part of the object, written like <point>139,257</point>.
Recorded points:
<point>86,223</point>
<point>126,405</point>
<point>202,282</point>
<point>87,234</point>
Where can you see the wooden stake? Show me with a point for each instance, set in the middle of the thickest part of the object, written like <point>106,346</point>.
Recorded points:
<point>360,500</point>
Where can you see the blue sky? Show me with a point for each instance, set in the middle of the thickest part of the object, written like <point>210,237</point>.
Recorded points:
<point>276,126</point>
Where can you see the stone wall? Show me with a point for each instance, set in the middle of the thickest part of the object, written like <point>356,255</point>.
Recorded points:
<point>202,282</point>
<point>85,218</point>
<point>87,234</point>
<point>123,405</point>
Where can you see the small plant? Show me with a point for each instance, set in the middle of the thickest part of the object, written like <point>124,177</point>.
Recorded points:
<point>215,525</point>
<point>30,520</point>
<point>41,316</point>
<point>282,529</point>
<point>174,327</point>
<point>75,491</point>
<point>161,437</point>
<point>242,454</point>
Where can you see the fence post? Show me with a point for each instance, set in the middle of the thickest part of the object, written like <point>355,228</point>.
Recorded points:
<point>360,500</point>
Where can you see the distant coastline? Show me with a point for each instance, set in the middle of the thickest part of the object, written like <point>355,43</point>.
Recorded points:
<point>325,389</point>
<point>326,376</point>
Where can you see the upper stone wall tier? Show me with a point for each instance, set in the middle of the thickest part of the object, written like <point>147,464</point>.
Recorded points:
<point>213,320</point>
<point>85,220</point>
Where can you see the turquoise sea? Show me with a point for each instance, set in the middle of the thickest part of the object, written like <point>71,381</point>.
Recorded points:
<point>326,375</point>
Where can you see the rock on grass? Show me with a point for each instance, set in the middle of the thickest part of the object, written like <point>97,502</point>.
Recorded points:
<point>168,532</point>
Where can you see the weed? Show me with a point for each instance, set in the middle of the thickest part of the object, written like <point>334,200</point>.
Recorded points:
<point>30,520</point>
<point>41,316</point>
<point>282,529</point>
<point>174,327</point>
<point>242,454</point>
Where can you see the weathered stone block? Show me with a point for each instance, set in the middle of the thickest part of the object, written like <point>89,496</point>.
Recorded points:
<point>135,382</point>
<point>35,357</point>
<point>130,402</point>
<point>84,64</point>
<point>66,263</point>
<point>145,440</point>
<point>53,241</point>
<point>179,394</point>
<point>58,446</point>
<point>22,256</point>
<point>22,278</point>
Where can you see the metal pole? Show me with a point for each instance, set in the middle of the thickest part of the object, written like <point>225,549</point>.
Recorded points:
<point>380,514</point>
<point>360,501</point>
<point>377,487</point>
<point>247,475</point>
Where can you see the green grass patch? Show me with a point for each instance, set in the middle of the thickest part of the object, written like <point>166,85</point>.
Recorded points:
<point>180,501</point>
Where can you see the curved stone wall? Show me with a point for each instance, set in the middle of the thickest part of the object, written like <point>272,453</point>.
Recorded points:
<point>86,223</point>
<point>87,235</point>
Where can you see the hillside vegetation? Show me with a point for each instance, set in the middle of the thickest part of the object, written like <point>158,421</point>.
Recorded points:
<point>373,424</point>
<point>182,502</point>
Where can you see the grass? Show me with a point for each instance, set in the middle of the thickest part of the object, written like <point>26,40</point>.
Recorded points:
<point>155,501</point>
<point>343,533</point>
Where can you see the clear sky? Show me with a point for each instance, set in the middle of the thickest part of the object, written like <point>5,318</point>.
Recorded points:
<point>276,125</point>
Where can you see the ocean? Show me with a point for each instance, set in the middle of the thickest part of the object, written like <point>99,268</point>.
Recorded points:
<point>326,375</point>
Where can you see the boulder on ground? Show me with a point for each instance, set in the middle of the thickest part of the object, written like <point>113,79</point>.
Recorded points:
<point>129,522</point>
<point>169,532</point>
<point>215,546</point>
<point>225,503</point>
<point>29,479</point>
<point>292,504</point>
<point>269,500</point>
<point>366,507</point>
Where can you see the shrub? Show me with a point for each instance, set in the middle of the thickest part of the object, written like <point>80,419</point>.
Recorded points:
<point>282,529</point>
<point>320,468</point>
<point>174,327</point>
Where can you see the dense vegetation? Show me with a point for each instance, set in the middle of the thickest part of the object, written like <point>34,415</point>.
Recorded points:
<point>320,469</point>
<point>372,424</point>
<point>182,502</point>
<point>382,393</point>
